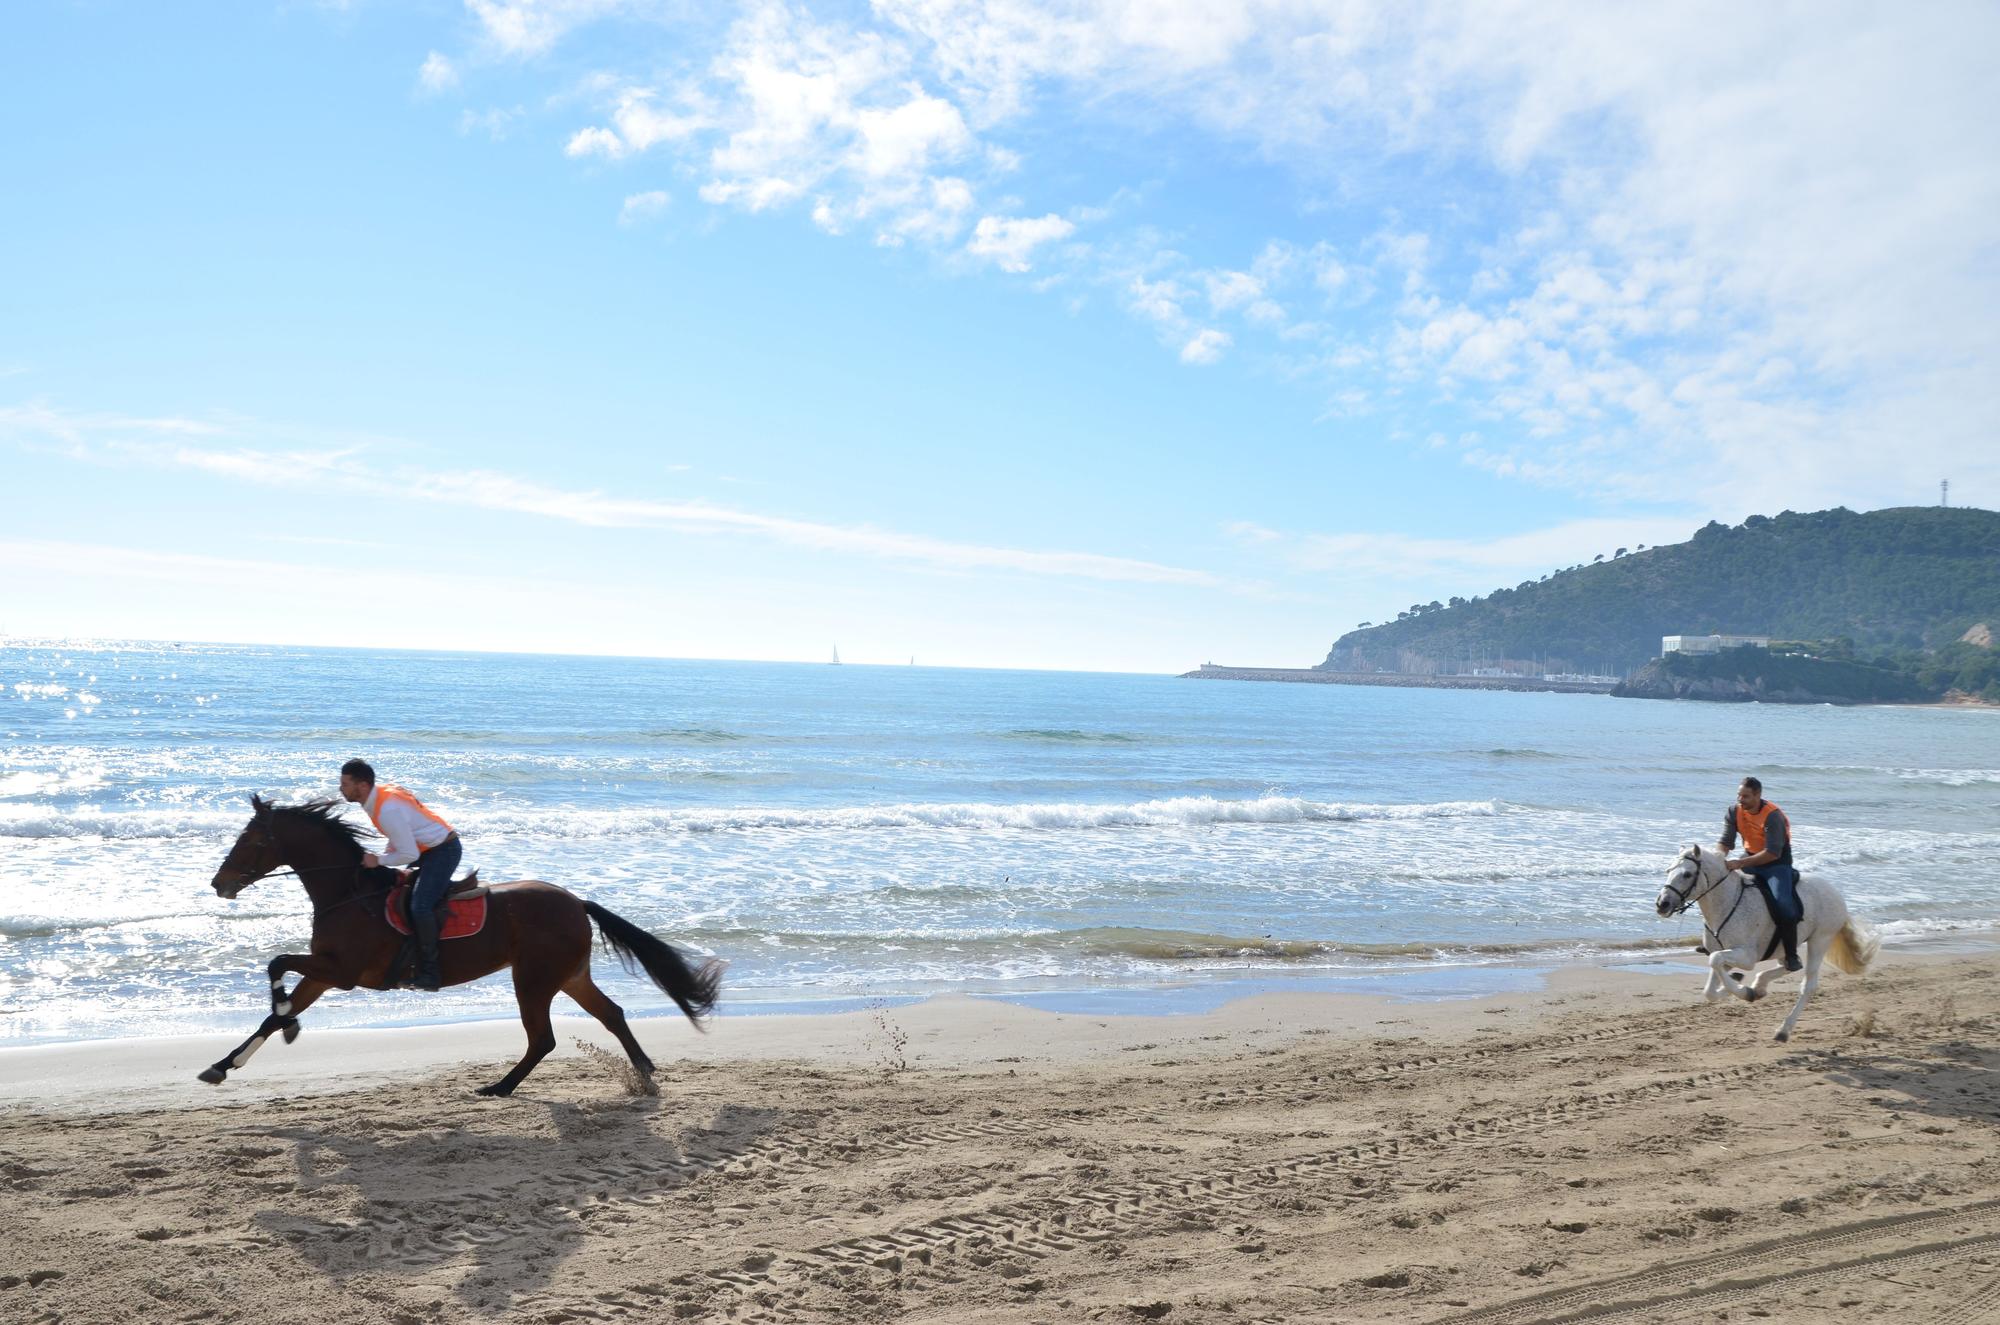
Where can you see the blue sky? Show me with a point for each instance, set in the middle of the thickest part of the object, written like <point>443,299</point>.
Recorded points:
<point>1101,334</point>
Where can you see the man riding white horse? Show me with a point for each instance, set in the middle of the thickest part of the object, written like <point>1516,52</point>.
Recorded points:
<point>1767,842</point>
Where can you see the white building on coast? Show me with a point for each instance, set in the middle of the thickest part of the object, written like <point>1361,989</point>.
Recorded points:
<point>1711,643</point>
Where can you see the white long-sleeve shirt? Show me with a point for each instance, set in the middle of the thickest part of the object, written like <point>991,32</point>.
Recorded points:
<point>406,829</point>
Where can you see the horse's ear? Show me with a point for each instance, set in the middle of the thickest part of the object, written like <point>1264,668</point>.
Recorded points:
<point>259,804</point>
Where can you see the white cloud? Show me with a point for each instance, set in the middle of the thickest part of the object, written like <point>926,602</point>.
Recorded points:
<point>438,74</point>
<point>1232,289</point>
<point>532,27</point>
<point>1205,347</point>
<point>1657,246</point>
<point>595,142</point>
<point>642,207</point>
<point>1010,241</point>
<point>107,439</point>
<point>494,123</point>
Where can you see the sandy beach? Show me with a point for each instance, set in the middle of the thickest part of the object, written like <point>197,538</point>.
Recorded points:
<point>1605,1149</point>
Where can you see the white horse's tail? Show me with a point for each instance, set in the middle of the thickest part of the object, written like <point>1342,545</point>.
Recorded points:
<point>1854,947</point>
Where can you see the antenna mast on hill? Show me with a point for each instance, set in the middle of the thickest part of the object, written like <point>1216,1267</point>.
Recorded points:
<point>1944,492</point>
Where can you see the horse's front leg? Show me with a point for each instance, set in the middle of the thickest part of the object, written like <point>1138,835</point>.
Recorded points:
<point>311,969</point>
<point>301,998</point>
<point>1719,966</point>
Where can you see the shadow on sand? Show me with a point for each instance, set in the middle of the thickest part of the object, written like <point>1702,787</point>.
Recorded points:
<point>508,1207</point>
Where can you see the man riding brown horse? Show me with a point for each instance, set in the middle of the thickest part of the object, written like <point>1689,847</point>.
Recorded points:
<point>415,834</point>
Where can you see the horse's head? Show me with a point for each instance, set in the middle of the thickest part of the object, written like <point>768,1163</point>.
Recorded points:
<point>255,854</point>
<point>1684,882</point>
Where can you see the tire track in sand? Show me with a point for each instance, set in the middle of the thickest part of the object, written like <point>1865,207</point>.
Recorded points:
<point>1049,1225</point>
<point>1738,1270</point>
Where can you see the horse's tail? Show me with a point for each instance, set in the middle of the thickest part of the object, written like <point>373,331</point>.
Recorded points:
<point>1854,947</point>
<point>693,987</point>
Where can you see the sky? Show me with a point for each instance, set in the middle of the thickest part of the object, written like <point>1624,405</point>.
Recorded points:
<point>1082,334</point>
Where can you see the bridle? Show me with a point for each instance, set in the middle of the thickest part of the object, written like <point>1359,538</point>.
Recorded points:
<point>1712,934</point>
<point>1690,897</point>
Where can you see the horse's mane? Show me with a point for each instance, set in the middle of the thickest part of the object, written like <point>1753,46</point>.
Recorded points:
<point>329,815</point>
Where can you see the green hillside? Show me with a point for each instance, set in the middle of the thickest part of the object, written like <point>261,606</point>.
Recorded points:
<point>1885,586</point>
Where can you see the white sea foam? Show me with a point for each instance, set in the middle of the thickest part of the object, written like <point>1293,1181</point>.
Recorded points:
<point>1177,812</point>
<point>1949,777</point>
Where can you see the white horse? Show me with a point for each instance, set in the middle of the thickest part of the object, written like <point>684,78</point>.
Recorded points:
<point>1738,929</point>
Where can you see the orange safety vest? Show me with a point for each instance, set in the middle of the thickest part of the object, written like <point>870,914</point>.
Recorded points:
<point>386,792</point>
<point>1751,825</point>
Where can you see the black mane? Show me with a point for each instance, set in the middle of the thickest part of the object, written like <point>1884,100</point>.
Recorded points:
<point>329,817</point>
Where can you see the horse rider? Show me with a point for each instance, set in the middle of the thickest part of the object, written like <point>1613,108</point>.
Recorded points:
<point>1767,843</point>
<point>414,833</point>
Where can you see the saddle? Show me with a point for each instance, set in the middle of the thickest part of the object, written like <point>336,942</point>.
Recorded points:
<point>463,910</point>
<point>1770,906</point>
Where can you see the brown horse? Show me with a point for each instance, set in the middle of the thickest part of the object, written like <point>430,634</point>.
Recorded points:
<point>540,930</point>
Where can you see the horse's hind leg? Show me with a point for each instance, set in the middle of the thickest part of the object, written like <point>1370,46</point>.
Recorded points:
<point>599,1005</point>
<point>534,994</point>
<point>1815,954</point>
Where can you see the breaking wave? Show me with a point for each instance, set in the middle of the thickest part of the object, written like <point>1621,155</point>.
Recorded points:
<point>1175,812</point>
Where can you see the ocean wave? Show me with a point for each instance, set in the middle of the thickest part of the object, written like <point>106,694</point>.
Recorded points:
<point>38,821</point>
<point>1949,777</point>
<point>1069,736</point>
<point>428,738</point>
<point>1175,812</point>
<point>1167,946</point>
<point>33,926</point>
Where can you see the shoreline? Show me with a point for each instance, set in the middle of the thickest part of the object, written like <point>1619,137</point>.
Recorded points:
<point>1314,676</point>
<point>1450,977</point>
<point>152,1071</point>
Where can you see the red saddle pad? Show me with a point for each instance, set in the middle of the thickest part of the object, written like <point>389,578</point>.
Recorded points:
<point>463,916</point>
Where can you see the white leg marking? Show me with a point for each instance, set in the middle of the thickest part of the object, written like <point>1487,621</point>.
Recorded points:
<point>243,1054</point>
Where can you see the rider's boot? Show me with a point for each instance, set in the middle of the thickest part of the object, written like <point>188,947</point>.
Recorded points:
<point>1788,934</point>
<point>426,927</point>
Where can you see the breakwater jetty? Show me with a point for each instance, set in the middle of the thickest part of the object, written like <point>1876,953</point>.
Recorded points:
<point>1310,675</point>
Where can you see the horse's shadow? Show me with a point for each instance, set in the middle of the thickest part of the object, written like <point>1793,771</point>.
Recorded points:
<point>510,1208</point>
<point>1956,1079</point>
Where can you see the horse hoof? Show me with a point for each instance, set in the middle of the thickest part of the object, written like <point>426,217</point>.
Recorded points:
<point>212,1075</point>
<point>1782,1036</point>
<point>291,1030</point>
<point>498,1090</point>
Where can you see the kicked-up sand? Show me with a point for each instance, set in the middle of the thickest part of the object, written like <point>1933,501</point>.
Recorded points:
<point>1605,1149</point>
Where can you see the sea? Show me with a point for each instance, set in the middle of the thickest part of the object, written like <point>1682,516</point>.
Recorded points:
<point>854,836</point>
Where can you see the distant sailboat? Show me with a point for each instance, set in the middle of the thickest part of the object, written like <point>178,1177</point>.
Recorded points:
<point>836,655</point>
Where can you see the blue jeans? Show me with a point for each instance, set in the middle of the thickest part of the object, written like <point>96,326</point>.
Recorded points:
<point>434,870</point>
<point>1783,881</point>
